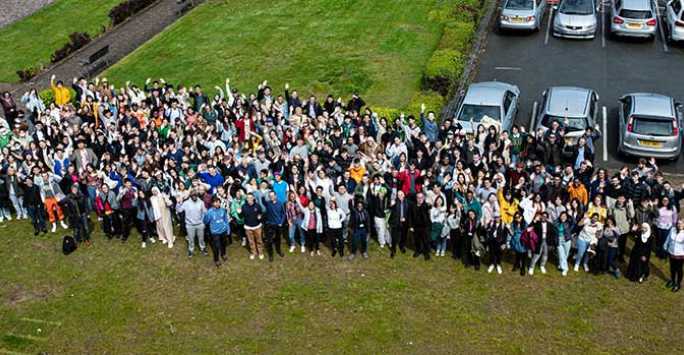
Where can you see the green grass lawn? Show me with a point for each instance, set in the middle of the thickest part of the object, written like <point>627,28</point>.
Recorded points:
<point>31,41</point>
<point>118,298</point>
<point>378,48</point>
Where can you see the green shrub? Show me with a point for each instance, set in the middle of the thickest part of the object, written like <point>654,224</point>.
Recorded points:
<point>443,69</point>
<point>457,35</point>
<point>433,101</point>
<point>389,113</point>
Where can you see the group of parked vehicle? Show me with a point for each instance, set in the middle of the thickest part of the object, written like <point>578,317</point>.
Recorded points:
<point>580,18</point>
<point>649,124</point>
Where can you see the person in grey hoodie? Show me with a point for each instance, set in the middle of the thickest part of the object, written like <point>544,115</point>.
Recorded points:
<point>194,222</point>
<point>623,213</point>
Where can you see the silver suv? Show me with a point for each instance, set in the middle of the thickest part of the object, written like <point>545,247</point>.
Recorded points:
<point>674,20</point>
<point>650,126</point>
<point>574,109</point>
<point>634,18</point>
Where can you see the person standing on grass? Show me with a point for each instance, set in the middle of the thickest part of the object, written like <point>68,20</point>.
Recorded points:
<point>312,224</point>
<point>497,235</point>
<point>399,222</point>
<point>336,218</point>
<point>377,204</point>
<point>126,213</point>
<point>564,227</point>
<point>438,214</point>
<point>665,223</point>
<point>359,223</point>
<point>588,236</point>
<point>162,216</point>
<point>252,213</point>
<point>675,248</point>
<point>107,208</point>
<point>515,242</point>
<point>547,239</point>
<point>473,242</point>
<point>51,194</point>
<point>623,213</point>
<point>76,208</point>
<point>419,222</point>
<point>144,218</point>
<point>194,210</point>
<point>276,218</point>
<point>638,269</point>
<point>219,228</point>
<point>16,192</point>
<point>34,206</point>
<point>609,244</point>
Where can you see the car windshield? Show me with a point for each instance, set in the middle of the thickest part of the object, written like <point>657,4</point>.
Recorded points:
<point>636,14</point>
<point>476,113</point>
<point>652,126</point>
<point>519,4</point>
<point>571,124</point>
<point>576,7</point>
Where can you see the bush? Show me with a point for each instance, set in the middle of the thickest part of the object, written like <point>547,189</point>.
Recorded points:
<point>433,101</point>
<point>443,69</point>
<point>457,35</point>
<point>126,9</point>
<point>76,40</point>
<point>390,114</point>
<point>28,73</point>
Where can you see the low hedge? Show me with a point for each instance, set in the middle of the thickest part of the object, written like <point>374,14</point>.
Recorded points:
<point>457,35</point>
<point>442,70</point>
<point>433,101</point>
<point>76,41</point>
<point>126,9</point>
<point>28,73</point>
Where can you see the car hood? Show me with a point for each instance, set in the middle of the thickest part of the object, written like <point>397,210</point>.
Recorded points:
<point>575,20</point>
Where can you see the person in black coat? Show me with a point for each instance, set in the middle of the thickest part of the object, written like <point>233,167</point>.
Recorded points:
<point>419,222</point>
<point>34,206</point>
<point>497,236</point>
<point>638,270</point>
<point>548,238</point>
<point>359,223</point>
<point>76,210</point>
<point>398,221</point>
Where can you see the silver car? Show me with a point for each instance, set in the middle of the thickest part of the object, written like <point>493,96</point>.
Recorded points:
<point>650,126</point>
<point>674,20</point>
<point>634,18</point>
<point>575,19</point>
<point>488,102</point>
<point>522,14</point>
<point>574,109</point>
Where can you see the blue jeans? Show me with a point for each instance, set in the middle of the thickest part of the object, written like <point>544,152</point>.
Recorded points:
<point>359,240</point>
<point>92,194</point>
<point>563,252</point>
<point>441,245</point>
<point>582,255</point>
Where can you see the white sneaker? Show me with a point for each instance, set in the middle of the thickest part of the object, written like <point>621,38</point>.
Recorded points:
<point>54,228</point>
<point>564,273</point>
<point>261,256</point>
<point>251,256</point>
<point>64,225</point>
<point>9,217</point>
<point>303,249</point>
<point>163,241</point>
<point>530,271</point>
<point>244,242</point>
<point>499,270</point>
<point>543,269</point>
<point>382,246</point>
<point>2,219</point>
<point>490,269</point>
<point>153,241</point>
<point>292,249</point>
<point>576,268</point>
<point>144,245</point>
<point>170,245</point>
<point>318,252</point>
<point>586,268</point>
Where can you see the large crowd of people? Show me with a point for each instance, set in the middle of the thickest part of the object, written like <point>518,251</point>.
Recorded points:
<point>276,172</point>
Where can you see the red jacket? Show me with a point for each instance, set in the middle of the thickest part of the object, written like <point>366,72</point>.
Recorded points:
<point>405,178</point>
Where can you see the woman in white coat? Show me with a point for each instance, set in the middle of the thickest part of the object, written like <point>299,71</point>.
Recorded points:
<point>162,216</point>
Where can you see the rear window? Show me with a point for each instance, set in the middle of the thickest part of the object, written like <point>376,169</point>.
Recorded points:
<point>636,14</point>
<point>476,113</point>
<point>652,127</point>
<point>519,5</point>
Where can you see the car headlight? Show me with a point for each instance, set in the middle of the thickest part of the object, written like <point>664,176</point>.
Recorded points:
<point>505,18</point>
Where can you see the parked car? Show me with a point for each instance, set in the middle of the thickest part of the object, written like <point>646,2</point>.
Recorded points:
<point>650,126</point>
<point>487,102</point>
<point>574,109</point>
<point>633,18</point>
<point>575,19</point>
<point>522,14</point>
<point>674,20</point>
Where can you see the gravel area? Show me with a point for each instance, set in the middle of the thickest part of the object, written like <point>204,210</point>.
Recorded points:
<point>12,10</point>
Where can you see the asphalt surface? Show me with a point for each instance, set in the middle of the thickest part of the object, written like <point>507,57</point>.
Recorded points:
<point>613,67</point>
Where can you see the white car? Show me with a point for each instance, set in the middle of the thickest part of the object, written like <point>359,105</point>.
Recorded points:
<point>674,21</point>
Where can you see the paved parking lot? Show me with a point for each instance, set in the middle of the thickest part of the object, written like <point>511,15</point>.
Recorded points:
<point>536,61</point>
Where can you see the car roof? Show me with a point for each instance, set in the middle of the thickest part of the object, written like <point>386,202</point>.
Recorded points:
<point>489,93</point>
<point>567,101</point>
<point>636,4</point>
<point>648,104</point>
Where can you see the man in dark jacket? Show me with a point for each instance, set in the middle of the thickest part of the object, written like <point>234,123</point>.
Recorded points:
<point>34,206</point>
<point>419,223</point>
<point>398,220</point>
<point>275,224</point>
<point>76,209</point>
<point>359,223</point>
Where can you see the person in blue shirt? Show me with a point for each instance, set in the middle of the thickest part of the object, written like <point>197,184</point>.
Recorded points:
<point>276,224</point>
<point>211,177</point>
<point>280,187</point>
<point>219,228</point>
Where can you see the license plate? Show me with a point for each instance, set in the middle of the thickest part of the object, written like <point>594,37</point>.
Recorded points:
<point>518,20</point>
<point>651,144</point>
<point>635,26</point>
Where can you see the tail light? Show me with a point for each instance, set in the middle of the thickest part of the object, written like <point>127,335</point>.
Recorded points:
<point>630,124</point>
<point>679,23</point>
<point>651,22</point>
<point>675,128</point>
<point>618,20</point>
<point>530,18</point>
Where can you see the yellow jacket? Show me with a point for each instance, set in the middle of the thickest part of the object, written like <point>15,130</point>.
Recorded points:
<point>508,209</point>
<point>62,94</point>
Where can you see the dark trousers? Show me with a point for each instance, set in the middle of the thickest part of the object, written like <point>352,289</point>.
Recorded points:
<point>421,238</point>
<point>143,227</point>
<point>622,244</point>
<point>336,241</point>
<point>611,258</point>
<point>218,245</point>
<point>399,234</point>
<point>274,234</point>
<point>495,254</point>
<point>111,224</point>
<point>520,261</point>
<point>239,230</point>
<point>128,218</point>
<point>37,214</point>
<point>312,241</point>
<point>80,227</point>
<point>359,240</point>
<point>661,238</point>
<point>676,270</point>
<point>456,244</point>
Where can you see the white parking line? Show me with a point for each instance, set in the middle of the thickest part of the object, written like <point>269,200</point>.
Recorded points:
<point>548,25</point>
<point>660,28</point>
<point>604,134</point>
<point>603,25</point>
<point>507,68</point>
<point>532,116</point>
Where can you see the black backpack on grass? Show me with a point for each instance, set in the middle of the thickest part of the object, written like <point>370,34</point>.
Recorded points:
<point>68,245</point>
